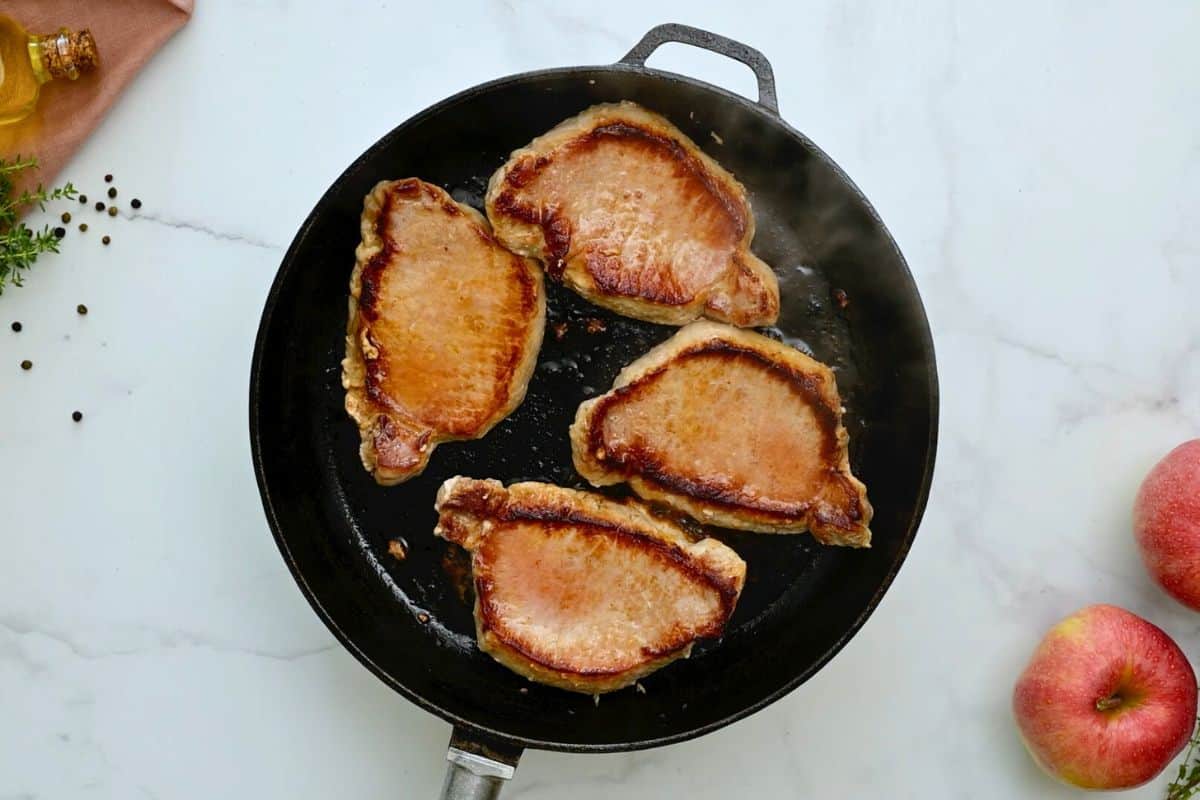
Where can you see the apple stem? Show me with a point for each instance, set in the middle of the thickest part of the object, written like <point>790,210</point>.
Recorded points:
<point>1107,703</point>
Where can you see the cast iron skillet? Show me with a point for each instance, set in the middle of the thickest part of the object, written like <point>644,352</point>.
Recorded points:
<point>847,297</point>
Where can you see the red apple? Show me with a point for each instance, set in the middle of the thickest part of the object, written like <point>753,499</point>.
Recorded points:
<point>1107,700</point>
<point>1166,522</point>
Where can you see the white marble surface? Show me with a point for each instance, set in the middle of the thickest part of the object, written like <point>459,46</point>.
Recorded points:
<point>1040,170</point>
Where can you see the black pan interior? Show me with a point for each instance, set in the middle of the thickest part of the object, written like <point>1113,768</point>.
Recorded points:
<point>408,620</point>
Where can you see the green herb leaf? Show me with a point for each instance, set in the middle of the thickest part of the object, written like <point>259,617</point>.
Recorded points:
<point>20,245</point>
<point>1187,781</point>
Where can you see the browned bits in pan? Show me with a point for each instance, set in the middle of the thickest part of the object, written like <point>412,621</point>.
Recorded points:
<point>456,565</point>
<point>398,549</point>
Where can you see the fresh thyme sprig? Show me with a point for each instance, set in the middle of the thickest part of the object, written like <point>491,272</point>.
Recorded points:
<point>21,245</point>
<point>1187,783</point>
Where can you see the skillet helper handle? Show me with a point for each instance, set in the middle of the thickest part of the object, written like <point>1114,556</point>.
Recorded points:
<point>477,770</point>
<point>685,34</point>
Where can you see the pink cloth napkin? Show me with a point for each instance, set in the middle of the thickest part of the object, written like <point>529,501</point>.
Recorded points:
<point>127,33</point>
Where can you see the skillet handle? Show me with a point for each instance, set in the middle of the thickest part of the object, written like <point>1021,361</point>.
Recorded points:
<point>477,769</point>
<point>685,34</point>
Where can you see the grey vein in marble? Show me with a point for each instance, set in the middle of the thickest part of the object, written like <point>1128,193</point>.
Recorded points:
<point>196,227</point>
<point>162,640</point>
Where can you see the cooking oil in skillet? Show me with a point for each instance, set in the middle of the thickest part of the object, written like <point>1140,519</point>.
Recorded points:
<point>812,321</point>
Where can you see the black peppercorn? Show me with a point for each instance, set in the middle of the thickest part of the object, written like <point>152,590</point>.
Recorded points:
<point>83,199</point>
<point>66,217</point>
<point>83,227</point>
<point>99,206</point>
<point>60,233</point>
<point>16,326</point>
<point>81,308</point>
<point>108,178</point>
<point>112,192</point>
<point>135,203</point>
<point>106,240</point>
<point>27,364</point>
<point>77,415</point>
<point>112,211</point>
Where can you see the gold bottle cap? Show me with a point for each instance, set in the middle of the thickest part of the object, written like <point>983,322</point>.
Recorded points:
<point>69,54</point>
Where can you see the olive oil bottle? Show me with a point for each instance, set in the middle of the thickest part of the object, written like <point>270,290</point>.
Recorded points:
<point>27,61</point>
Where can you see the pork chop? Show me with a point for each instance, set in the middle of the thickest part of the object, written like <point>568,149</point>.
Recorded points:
<point>444,329</point>
<point>581,592</point>
<point>732,428</point>
<point>624,209</point>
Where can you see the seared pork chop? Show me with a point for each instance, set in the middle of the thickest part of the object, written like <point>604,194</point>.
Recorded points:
<point>624,209</point>
<point>444,330</point>
<point>732,428</point>
<point>581,592</point>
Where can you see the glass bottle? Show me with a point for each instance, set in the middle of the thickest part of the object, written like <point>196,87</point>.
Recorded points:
<point>27,61</point>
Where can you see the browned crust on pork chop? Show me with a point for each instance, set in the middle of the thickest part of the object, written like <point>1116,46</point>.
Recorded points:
<point>578,591</point>
<point>444,327</point>
<point>626,210</point>
<point>732,428</point>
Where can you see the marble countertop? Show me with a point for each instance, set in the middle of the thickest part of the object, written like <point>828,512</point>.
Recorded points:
<point>1037,165</point>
